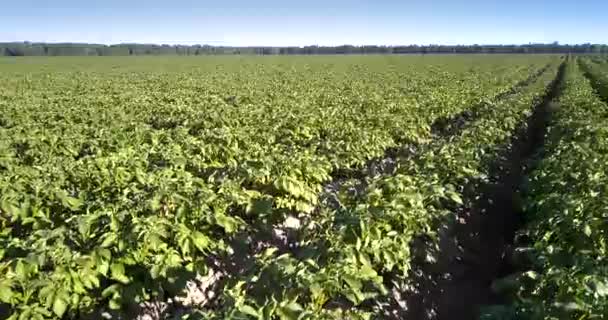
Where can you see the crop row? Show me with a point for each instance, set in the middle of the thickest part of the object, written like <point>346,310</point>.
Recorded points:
<point>565,273</point>
<point>597,73</point>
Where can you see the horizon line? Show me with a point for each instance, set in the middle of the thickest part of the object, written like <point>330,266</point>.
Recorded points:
<point>220,43</point>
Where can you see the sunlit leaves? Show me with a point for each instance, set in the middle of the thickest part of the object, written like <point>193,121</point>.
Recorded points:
<point>6,292</point>
<point>117,178</point>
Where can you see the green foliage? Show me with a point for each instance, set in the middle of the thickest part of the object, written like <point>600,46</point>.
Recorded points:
<point>120,178</point>
<point>568,229</point>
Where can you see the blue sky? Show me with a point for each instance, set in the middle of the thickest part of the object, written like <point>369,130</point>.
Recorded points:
<point>281,23</point>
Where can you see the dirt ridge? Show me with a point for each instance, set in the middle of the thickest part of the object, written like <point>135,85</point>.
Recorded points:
<point>473,254</point>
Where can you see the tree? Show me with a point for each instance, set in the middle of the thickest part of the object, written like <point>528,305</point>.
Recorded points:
<point>84,49</point>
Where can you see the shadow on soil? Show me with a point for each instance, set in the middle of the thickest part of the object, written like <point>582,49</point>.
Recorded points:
<point>474,251</point>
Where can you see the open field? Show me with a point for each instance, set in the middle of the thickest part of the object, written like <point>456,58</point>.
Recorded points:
<point>324,187</point>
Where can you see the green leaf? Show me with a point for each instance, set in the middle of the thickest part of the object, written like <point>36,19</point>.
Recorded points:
<point>90,280</point>
<point>367,272</point>
<point>290,311</point>
<point>454,197</point>
<point>21,269</point>
<point>587,230</point>
<point>352,282</point>
<point>249,310</point>
<point>26,315</point>
<point>59,307</point>
<point>200,240</point>
<point>531,274</point>
<point>109,240</point>
<point>114,304</point>
<point>71,202</point>
<point>6,292</point>
<point>601,288</point>
<point>117,271</point>
<point>229,224</point>
<point>113,290</point>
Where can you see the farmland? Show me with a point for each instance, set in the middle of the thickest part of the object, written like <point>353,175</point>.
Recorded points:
<point>326,187</point>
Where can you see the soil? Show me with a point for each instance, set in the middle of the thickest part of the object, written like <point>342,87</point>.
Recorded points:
<point>474,251</point>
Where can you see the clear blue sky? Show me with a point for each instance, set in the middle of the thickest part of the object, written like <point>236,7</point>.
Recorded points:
<point>288,22</point>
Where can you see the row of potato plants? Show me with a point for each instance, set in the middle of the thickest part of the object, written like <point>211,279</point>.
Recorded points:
<point>370,235</point>
<point>118,186</point>
<point>597,73</point>
<point>565,265</point>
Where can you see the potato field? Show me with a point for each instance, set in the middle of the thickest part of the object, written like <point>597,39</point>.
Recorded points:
<point>304,187</point>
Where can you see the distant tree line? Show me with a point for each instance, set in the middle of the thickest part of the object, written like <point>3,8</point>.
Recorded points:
<point>132,49</point>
